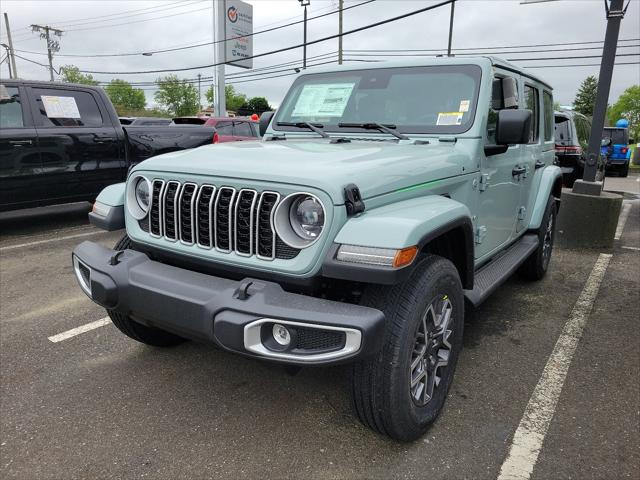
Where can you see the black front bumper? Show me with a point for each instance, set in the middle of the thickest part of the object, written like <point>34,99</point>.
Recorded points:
<point>219,310</point>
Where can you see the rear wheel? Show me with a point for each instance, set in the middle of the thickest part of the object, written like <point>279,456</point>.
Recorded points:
<point>137,331</point>
<point>624,171</point>
<point>401,391</point>
<point>535,267</point>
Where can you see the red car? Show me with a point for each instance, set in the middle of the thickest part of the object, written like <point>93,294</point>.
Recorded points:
<point>229,129</point>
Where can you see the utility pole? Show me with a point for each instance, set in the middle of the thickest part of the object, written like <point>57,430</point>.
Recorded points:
<point>615,13</point>
<point>199,93</point>
<point>11,61</point>
<point>340,32</point>
<point>52,45</point>
<point>6,47</point>
<point>453,6</point>
<point>305,4</point>
<point>220,9</point>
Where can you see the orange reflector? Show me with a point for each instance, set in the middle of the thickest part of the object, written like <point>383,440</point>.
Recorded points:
<point>404,257</point>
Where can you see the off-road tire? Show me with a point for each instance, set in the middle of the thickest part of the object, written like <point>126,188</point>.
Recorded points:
<point>624,171</point>
<point>135,330</point>
<point>535,267</point>
<point>381,385</point>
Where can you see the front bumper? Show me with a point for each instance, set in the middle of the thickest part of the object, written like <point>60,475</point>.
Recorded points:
<point>237,315</point>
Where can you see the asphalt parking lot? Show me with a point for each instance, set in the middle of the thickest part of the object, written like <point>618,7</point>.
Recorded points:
<point>98,405</point>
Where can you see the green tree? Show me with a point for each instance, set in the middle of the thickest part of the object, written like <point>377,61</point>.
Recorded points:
<point>209,96</point>
<point>233,100</point>
<point>258,105</point>
<point>586,97</point>
<point>124,97</point>
<point>177,96</point>
<point>71,74</point>
<point>628,106</point>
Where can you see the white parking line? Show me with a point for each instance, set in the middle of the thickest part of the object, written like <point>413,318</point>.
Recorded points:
<point>529,437</point>
<point>39,242</point>
<point>631,248</point>
<point>622,220</point>
<point>82,329</point>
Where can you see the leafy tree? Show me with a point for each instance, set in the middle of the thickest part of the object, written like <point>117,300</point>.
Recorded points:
<point>628,106</point>
<point>586,97</point>
<point>557,106</point>
<point>124,96</point>
<point>179,97</point>
<point>71,74</point>
<point>209,96</point>
<point>234,101</point>
<point>259,105</point>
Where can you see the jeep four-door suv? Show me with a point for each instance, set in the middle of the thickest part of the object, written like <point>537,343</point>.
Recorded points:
<point>379,202</point>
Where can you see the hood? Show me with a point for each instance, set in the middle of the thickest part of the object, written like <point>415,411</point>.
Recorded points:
<point>376,167</point>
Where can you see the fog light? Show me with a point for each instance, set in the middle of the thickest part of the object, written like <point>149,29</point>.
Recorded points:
<point>281,334</point>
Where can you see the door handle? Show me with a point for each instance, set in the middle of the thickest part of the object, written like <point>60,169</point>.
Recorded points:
<point>20,143</point>
<point>518,171</point>
<point>539,164</point>
<point>103,140</point>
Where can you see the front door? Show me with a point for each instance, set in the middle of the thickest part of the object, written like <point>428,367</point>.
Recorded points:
<point>79,146</point>
<point>21,181</point>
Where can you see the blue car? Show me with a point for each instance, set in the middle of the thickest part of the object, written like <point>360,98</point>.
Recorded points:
<point>615,148</point>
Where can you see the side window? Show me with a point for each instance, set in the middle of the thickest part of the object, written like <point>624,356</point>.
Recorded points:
<point>11,109</point>
<point>66,108</point>
<point>532,103</point>
<point>547,101</point>
<point>242,129</point>
<point>256,130</point>
<point>224,128</point>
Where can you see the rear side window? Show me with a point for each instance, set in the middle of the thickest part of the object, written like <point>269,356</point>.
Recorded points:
<point>532,103</point>
<point>65,108</point>
<point>562,130</point>
<point>242,129</point>
<point>547,103</point>
<point>224,128</point>
<point>11,110</point>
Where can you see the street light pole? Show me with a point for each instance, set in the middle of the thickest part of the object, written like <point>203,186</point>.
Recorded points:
<point>305,4</point>
<point>453,6</point>
<point>340,32</point>
<point>615,13</point>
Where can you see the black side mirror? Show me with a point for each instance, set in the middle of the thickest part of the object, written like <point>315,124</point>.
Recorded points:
<point>513,127</point>
<point>265,119</point>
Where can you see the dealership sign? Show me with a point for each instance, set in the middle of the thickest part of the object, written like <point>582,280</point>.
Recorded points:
<point>238,23</point>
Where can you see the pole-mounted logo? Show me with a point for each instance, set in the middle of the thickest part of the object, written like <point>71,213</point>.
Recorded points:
<point>232,14</point>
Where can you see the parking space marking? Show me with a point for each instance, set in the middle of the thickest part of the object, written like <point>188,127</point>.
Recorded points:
<point>622,220</point>
<point>631,248</point>
<point>78,330</point>
<point>40,242</point>
<point>529,437</point>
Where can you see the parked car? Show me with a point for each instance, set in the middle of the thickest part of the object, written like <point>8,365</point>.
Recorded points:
<point>230,129</point>
<point>616,148</point>
<point>62,143</point>
<point>572,132</point>
<point>137,121</point>
<point>354,232</point>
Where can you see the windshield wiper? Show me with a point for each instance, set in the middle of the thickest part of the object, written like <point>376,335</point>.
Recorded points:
<point>376,126</point>
<point>317,127</point>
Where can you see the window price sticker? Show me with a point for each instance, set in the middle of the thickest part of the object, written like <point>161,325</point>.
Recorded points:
<point>60,107</point>
<point>450,118</point>
<point>325,100</point>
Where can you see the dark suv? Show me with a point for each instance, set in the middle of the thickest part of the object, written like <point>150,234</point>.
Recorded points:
<point>572,131</point>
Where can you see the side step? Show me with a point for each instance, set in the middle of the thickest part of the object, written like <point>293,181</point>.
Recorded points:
<point>490,276</point>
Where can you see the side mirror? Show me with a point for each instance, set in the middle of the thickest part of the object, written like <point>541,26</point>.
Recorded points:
<point>605,142</point>
<point>265,119</point>
<point>513,127</point>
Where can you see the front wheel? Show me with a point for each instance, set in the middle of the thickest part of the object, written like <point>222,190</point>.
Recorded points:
<point>401,391</point>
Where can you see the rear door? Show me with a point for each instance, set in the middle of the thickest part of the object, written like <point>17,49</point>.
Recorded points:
<point>21,181</point>
<point>225,131</point>
<point>79,147</point>
<point>242,130</point>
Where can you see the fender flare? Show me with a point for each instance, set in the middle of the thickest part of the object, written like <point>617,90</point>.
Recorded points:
<point>415,221</point>
<point>108,210</point>
<point>550,183</point>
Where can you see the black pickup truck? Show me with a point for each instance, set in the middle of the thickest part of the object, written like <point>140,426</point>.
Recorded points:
<point>62,143</point>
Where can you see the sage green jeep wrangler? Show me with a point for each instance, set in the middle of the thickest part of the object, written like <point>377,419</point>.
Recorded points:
<point>380,202</point>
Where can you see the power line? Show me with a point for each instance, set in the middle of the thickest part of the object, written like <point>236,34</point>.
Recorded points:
<point>285,49</point>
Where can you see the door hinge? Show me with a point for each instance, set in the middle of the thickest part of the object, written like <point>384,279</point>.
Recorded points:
<point>481,232</point>
<point>522,213</point>
<point>484,181</point>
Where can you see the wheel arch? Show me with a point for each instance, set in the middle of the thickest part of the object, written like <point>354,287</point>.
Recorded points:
<point>550,184</point>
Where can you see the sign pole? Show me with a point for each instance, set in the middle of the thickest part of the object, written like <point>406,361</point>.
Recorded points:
<point>221,12</point>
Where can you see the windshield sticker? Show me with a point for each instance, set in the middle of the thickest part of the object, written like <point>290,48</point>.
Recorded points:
<point>464,106</point>
<point>450,118</point>
<point>60,107</point>
<point>326,100</point>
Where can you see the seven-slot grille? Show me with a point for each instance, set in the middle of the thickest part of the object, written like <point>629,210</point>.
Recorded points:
<point>217,217</point>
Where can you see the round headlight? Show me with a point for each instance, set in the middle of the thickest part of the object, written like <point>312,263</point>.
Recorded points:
<point>307,217</point>
<point>142,193</point>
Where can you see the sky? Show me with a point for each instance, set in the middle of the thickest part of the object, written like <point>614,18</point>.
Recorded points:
<point>124,26</point>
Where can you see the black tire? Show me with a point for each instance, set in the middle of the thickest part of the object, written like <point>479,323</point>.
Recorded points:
<point>137,331</point>
<point>381,389</point>
<point>624,171</point>
<point>535,267</point>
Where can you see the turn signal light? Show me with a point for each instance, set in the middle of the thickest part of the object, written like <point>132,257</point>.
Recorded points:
<point>405,256</point>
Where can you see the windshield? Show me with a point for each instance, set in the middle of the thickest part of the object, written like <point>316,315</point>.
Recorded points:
<point>436,99</point>
<point>618,136</point>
